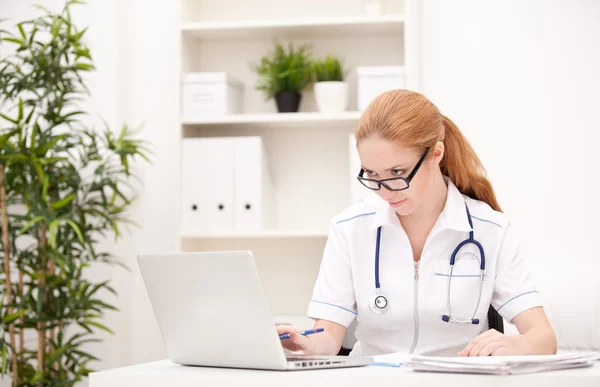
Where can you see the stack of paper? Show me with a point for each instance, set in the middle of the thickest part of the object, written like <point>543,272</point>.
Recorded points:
<point>501,365</point>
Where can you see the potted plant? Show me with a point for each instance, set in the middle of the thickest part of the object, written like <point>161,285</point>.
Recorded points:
<point>283,75</point>
<point>331,90</point>
<point>64,186</point>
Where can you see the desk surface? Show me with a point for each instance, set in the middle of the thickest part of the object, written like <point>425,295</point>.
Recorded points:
<point>166,373</point>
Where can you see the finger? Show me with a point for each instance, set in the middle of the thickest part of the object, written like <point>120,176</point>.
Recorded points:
<point>481,345</point>
<point>296,342</point>
<point>281,329</point>
<point>492,347</point>
<point>472,343</point>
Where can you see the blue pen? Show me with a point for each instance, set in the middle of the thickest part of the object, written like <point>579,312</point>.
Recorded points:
<point>303,333</point>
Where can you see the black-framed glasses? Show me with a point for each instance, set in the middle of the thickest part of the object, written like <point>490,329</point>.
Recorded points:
<point>393,183</point>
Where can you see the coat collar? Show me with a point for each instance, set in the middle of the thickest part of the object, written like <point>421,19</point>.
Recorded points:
<point>453,216</point>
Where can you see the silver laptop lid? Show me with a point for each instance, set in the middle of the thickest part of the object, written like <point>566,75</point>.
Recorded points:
<point>212,310</point>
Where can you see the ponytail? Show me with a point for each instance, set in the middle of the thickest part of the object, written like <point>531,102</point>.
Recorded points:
<point>462,165</point>
<point>411,119</point>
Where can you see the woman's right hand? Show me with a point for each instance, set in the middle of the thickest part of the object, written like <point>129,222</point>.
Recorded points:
<point>296,342</point>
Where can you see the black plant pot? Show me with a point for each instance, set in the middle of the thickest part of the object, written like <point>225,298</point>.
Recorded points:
<point>288,101</point>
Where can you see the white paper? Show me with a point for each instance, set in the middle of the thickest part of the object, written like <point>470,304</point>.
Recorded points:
<point>501,365</point>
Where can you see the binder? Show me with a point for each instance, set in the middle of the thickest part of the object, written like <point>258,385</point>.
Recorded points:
<point>253,195</point>
<point>207,184</point>
<point>226,186</point>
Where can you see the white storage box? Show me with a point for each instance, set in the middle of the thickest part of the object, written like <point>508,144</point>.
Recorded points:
<point>210,93</point>
<point>374,80</point>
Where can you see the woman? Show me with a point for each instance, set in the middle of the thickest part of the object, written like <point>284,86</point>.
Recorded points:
<point>387,259</point>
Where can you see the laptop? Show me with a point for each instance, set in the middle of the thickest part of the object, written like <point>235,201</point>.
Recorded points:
<point>212,311</point>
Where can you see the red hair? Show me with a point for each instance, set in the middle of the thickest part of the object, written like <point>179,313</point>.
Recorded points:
<point>409,118</point>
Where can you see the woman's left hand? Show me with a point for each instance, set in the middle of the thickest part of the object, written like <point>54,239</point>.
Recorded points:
<point>494,343</point>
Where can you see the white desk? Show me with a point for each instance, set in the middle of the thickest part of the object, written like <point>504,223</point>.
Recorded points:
<point>165,373</point>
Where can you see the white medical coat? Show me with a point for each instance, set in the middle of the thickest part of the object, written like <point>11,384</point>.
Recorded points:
<point>413,320</point>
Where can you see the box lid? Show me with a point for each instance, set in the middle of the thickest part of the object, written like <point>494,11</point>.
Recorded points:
<point>378,71</point>
<point>211,77</point>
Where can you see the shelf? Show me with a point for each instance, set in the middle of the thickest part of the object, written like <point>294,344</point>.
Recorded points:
<point>275,120</point>
<point>259,235</point>
<point>356,26</point>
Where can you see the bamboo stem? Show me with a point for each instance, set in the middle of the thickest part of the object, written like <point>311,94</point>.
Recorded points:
<point>6,246</point>
<point>41,329</point>
<point>51,269</point>
<point>22,320</point>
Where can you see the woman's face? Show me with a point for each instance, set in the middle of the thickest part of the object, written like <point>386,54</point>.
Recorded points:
<point>383,159</point>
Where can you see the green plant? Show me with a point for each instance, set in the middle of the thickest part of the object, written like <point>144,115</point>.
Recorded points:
<point>283,70</point>
<point>327,69</point>
<point>64,185</point>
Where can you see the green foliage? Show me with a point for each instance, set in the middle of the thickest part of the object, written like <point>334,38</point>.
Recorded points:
<point>327,69</point>
<point>283,70</point>
<point>68,186</point>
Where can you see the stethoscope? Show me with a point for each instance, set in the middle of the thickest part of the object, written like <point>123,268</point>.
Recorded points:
<point>379,302</point>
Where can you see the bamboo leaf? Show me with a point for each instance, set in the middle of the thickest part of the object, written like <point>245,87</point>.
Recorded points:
<point>76,229</point>
<point>41,151</point>
<point>34,132</point>
<point>63,202</point>
<point>87,341</point>
<point>46,185</point>
<point>38,376</point>
<point>56,26</point>
<point>33,32</point>
<point>30,224</point>
<point>12,317</point>
<point>84,66</point>
<point>85,354</point>
<point>4,359</point>
<point>86,327</point>
<point>13,40</point>
<point>52,231</point>
<point>22,31</point>
<point>73,114</point>
<point>20,110</point>
<point>28,119</point>
<point>80,34</point>
<point>39,303</point>
<point>100,326</point>
<point>105,305</point>
<point>9,119</point>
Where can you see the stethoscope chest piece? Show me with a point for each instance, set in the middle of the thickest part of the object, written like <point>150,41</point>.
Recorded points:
<point>379,303</point>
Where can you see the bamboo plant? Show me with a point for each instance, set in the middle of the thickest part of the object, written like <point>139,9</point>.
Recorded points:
<point>64,186</point>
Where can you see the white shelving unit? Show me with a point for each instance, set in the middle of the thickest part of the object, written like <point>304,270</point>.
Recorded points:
<point>308,152</point>
<point>278,121</point>
<point>266,234</point>
<point>314,27</point>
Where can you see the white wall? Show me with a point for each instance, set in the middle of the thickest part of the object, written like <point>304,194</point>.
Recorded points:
<point>154,69</point>
<point>520,78</point>
<point>108,100</point>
